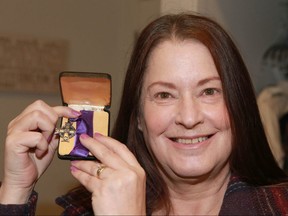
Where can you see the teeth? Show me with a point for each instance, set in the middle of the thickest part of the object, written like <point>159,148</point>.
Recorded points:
<point>191,141</point>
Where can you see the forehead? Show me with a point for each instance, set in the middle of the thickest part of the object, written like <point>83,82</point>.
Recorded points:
<point>176,60</point>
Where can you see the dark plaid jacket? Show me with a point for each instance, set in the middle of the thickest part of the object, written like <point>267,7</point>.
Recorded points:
<point>240,199</point>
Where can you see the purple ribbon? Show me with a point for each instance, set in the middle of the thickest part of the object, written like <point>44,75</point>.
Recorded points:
<point>84,124</point>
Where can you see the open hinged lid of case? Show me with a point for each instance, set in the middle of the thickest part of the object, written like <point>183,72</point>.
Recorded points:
<point>86,89</point>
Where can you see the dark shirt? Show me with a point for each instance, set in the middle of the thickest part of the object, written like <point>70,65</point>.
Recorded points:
<point>243,199</point>
<point>27,209</point>
<point>240,199</point>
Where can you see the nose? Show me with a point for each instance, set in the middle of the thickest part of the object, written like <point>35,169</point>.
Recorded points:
<point>189,113</point>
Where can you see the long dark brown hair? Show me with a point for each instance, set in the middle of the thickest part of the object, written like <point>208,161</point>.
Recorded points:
<point>251,157</point>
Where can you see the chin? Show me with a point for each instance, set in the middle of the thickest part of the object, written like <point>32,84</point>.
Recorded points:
<point>198,170</point>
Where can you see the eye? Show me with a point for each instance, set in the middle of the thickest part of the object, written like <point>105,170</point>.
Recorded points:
<point>163,95</point>
<point>210,91</point>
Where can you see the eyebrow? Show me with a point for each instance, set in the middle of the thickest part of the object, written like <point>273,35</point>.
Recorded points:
<point>161,83</point>
<point>204,81</point>
<point>172,86</point>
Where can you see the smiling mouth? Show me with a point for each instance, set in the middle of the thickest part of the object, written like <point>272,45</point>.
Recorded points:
<point>190,141</point>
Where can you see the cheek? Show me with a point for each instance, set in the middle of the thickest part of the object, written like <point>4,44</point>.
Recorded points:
<point>224,119</point>
<point>219,116</point>
<point>157,119</point>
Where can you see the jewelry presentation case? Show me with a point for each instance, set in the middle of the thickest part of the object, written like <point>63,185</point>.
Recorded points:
<point>89,93</point>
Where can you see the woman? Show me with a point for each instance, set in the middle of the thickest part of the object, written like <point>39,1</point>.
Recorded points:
<point>189,118</point>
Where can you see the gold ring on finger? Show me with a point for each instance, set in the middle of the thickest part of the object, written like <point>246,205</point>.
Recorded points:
<point>100,170</point>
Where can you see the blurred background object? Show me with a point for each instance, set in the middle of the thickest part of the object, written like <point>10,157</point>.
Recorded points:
<point>273,100</point>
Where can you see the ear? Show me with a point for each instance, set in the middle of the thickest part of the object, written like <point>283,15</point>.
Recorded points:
<point>139,125</point>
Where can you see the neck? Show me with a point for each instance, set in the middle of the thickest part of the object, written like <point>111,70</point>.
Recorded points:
<point>201,196</point>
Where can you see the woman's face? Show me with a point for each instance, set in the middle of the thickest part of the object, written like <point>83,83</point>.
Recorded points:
<point>183,118</point>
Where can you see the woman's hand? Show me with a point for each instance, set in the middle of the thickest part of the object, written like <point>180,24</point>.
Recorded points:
<point>29,149</point>
<point>120,188</point>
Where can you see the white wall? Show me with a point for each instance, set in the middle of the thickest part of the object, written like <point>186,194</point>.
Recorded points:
<point>175,6</point>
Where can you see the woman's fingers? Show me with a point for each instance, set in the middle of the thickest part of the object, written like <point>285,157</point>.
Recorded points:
<point>92,168</point>
<point>37,105</point>
<point>30,147</point>
<point>25,141</point>
<point>113,155</point>
<point>33,121</point>
<point>117,147</point>
<point>119,188</point>
<point>102,153</point>
<point>40,116</point>
<point>63,111</point>
<point>86,173</point>
<point>109,151</point>
<point>53,113</point>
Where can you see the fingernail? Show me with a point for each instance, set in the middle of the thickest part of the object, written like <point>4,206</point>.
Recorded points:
<point>84,136</point>
<point>76,113</point>
<point>96,134</point>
